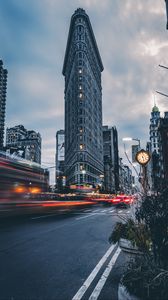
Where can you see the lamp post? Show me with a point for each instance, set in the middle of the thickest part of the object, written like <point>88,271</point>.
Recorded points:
<point>162,94</point>
<point>138,146</point>
<point>143,157</point>
<point>164,68</point>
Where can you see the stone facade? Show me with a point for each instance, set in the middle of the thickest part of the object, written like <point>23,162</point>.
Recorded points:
<point>83,103</point>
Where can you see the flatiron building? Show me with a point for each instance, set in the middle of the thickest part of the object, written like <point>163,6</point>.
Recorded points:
<point>83,103</point>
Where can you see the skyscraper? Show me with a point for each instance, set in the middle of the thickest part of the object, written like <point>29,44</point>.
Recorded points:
<point>154,148</point>
<point>83,103</point>
<point>163,150</point>
<point>111,159</point>
<point>60,158</point>
<point>3,87</point>
<point>153,130</point>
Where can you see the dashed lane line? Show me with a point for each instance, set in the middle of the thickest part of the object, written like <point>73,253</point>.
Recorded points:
<point>92,275</point>
<point>46,216</point>
<point>87,216</point>
<point>96,292</point>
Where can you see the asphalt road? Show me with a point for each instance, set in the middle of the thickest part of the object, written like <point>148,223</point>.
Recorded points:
<point>49,254</point>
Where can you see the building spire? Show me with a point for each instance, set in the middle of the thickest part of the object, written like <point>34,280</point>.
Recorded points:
<point>155,108</point>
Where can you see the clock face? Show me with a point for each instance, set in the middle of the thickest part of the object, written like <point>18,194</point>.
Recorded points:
<point>142,157</point>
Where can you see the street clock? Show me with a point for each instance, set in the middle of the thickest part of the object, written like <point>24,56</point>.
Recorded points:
<point>142,157</point>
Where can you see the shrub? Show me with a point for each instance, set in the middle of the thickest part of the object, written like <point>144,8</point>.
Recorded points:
<point>147,275</point>
<point>145,280</point>
<point>135,232</point>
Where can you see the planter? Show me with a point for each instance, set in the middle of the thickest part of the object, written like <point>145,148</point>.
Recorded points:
<point>124,295</point>
<point>127,246</point>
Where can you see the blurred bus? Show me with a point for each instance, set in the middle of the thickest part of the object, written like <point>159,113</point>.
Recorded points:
<point>19,176</point>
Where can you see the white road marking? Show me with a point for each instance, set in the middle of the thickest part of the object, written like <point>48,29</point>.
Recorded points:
<point>87,210</point>
<point>112,210</point>
<point>103,211</point>
<point>87,216</point>
<point>128,211</point>
<point>120,211</point>
<point>92,275</point>
<point>96,292</point>
<point>51,214</point>
<point>44,216</point>
<point>65,209</point>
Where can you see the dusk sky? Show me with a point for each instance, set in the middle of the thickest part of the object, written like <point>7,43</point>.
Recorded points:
<point>132,41</point>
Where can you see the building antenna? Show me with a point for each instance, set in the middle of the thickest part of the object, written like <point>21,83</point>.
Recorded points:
<point>154,99</point>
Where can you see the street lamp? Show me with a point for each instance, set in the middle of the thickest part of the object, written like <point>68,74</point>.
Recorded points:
<point>132,139</point>
<point>162,94</point>
<point>164,68</point>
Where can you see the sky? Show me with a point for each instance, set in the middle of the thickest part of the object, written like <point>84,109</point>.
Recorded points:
<point>132,41</point>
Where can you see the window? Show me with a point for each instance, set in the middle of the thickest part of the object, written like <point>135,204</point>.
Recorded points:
<point>81,147</point>
<point>81,167</point>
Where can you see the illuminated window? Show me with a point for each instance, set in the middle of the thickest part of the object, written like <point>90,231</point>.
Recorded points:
<point>81,167</point>
<point>81,146</point>
<point>80,87</point>
<point>80,95</point>
<point>80,71</point>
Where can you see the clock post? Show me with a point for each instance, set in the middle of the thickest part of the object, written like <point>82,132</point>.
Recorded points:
<point>143,157</point>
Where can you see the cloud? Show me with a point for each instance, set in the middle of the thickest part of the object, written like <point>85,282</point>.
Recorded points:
<point>132,41</point>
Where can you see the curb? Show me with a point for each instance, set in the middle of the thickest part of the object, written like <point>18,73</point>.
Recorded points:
<point>127,246</point>
<point>124,295</point>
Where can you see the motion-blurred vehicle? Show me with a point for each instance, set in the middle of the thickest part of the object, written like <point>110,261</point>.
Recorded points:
<point>121,200</point>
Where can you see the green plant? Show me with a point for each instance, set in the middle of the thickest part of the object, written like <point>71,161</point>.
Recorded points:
<point>154,213</point>
<point>147,274</point>
<point>144,279</point>
<point>135,232</point>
